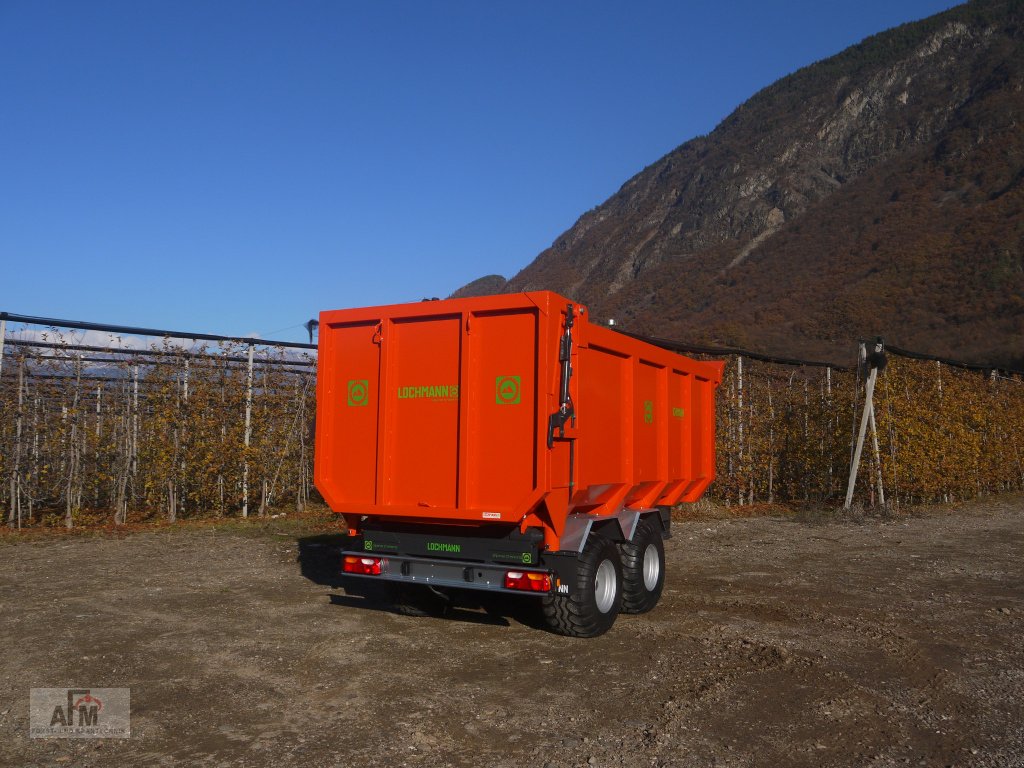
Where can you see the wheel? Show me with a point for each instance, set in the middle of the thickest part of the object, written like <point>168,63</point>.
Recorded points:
<point>593,603</point>
<point>643,567</point>
<point>416,600</point>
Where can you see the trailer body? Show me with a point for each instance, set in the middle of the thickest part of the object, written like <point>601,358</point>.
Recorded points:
<point>458,437</point>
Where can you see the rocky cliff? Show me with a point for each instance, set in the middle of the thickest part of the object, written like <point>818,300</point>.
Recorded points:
<point>876,192</point>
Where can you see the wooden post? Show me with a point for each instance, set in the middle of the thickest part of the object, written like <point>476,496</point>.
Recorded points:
<point>827,411</point>
<point>878,460</point>
<point>15,489</point>
<point>16,475</point>
<point>248,435</point>
<point>739,403</point>
<point>135,421</point>
<point>771,443</point>
<point>15,494</point>
<point>740,490</point>
<point>300,504</point>
<point>866,416</point>
<point>3,336</point>
<point>855,461</point>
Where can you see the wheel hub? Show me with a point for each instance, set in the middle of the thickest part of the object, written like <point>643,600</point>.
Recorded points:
<point>605,586</point>
<point>652,567</point>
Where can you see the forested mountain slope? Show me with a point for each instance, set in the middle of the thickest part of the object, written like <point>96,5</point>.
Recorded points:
<point>875,192</point>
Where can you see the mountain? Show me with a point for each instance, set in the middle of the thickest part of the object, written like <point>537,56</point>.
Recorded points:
<point>877,192</point>
<point>482,286</point>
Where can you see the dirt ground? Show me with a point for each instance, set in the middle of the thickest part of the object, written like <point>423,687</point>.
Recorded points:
<point>777,643</point>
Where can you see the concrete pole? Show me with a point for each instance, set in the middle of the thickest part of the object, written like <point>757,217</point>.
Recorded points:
<point>248,435</point>
<point>135,420</point>
<point>3,336</point>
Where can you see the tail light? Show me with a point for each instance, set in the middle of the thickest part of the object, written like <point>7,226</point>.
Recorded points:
<point>528,581</point>
<point>365,566</point>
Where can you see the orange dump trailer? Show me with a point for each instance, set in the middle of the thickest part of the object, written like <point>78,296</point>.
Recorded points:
<point>506,443</point>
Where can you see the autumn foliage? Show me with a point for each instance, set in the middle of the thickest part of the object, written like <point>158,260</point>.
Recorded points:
<point>156,432</point>
<point>785,434</point>
<point>160,433</point>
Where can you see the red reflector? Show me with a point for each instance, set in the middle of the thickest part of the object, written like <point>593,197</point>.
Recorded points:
<point>367,566</point>
<point>528,581</point>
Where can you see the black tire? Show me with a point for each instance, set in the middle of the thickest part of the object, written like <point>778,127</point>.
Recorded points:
<point>643,567</point>
<point>416,600</point>
<point>582,612</point>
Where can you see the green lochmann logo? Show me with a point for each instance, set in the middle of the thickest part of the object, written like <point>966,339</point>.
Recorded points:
<point>443,546</point>
<point>358,391</point>
<point>648,412</point>
<point>506,390</point>
<point>436,392</point>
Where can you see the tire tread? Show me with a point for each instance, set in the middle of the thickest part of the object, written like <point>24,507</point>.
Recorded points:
<point>636,598</point>
<point>576,614</point>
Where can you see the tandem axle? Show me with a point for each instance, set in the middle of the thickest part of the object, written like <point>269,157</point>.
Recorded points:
<point>619,565</point>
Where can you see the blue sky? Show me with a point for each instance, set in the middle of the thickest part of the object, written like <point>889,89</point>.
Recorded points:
<point>235,167</point>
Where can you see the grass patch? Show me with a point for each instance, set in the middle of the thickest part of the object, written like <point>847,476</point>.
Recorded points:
<point>315,520</point>
<point>709,509</point>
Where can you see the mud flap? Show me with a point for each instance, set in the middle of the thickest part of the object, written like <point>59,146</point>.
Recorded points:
<point>563,565</point>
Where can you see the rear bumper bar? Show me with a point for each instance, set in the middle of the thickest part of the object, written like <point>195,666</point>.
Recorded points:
<point>446,573</point>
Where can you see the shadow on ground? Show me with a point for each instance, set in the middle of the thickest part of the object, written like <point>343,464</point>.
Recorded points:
<point>320,559</point>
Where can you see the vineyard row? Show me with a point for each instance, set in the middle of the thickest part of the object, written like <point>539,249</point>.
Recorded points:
<point>170,433</point>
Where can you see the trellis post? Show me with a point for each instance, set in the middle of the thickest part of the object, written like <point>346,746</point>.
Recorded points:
<point>3,336</point>
<point>868,416</point>
<point>248,434</point>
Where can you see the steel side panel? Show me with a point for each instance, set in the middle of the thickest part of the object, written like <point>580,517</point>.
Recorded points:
<point>680,444</point>
<point>501,401</point>
<point>703,424</point>
<point>603,452</point>
<point>347,407</point>
<point>644,432</point>
<point>649,417</point>
<point>421,429</point>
